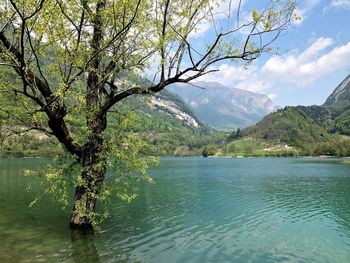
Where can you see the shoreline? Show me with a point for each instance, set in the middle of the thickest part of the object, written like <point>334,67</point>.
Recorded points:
<point>211,156</point>
<point>276,156</point>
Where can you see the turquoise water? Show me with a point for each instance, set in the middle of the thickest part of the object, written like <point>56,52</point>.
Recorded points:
<point>199,210</point>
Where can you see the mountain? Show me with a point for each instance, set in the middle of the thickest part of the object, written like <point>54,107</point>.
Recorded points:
<point>338,103</point>
<point>340,97</point>
<point>164,120</point>
<point>302,126</point>
<point>163,112</point>
<point>334,114</point>
<point>222,107</point>
<point>291,126</point>
<point>168,124</point>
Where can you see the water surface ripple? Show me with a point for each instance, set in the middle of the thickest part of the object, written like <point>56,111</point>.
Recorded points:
<point>199,210</point>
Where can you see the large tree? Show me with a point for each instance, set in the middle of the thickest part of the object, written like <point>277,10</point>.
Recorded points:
<point>80,58</point>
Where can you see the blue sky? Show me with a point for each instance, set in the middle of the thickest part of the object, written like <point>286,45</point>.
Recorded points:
<point>313,57</point>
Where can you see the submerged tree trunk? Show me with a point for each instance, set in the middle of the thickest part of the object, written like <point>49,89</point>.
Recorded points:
<point>94,169</point>
<point>83,246</point>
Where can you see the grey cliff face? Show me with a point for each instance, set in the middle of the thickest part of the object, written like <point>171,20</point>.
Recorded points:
<point>171,108</point>
<point>341,93</point>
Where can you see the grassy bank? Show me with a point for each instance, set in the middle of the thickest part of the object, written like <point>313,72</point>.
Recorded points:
<point>249,147</point>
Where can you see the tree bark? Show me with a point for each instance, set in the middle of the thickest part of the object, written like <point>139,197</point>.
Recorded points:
<point>94,162</point>
<point>93,158</point>
<point>93,174</point>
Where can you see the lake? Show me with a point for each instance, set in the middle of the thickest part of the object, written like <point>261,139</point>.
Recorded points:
<point>199,210</point>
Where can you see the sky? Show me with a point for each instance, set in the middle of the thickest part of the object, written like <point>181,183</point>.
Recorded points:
<point>311,59</point>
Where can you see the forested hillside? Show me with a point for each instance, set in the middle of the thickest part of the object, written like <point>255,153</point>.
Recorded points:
<point>308,129</point>
<point>163,120</point>
<point>334,114</point>
<point>289,125</point>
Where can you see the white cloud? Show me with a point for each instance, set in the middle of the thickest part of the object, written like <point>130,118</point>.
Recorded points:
<point>340,3</point>
<point>254,84</point>
<point>304,68</point>
<point>293,70</point>
<point>227,74</point>
<point>316,47</point>
<point>303,9</point>
<point>272,96</point>
<point>222,9</point>
<point>336,4</point>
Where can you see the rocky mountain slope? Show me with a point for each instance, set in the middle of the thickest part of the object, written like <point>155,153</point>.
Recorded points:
<point>340,97</point>
<point>334,114</point>
<point>170,104</point>
<point>222,107</point>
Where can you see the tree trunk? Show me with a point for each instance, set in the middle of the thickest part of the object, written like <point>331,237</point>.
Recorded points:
<point>93,156</point>
<point>94,169</point>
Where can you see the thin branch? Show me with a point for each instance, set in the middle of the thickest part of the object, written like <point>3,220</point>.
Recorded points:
<point>162,52</point>
<point>238,11</point>
<point>119,34</point>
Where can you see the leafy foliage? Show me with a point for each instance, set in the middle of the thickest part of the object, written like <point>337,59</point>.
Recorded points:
<point>127,168</point>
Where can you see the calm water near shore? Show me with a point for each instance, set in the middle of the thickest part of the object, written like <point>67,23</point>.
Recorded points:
<point>199,210</point>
